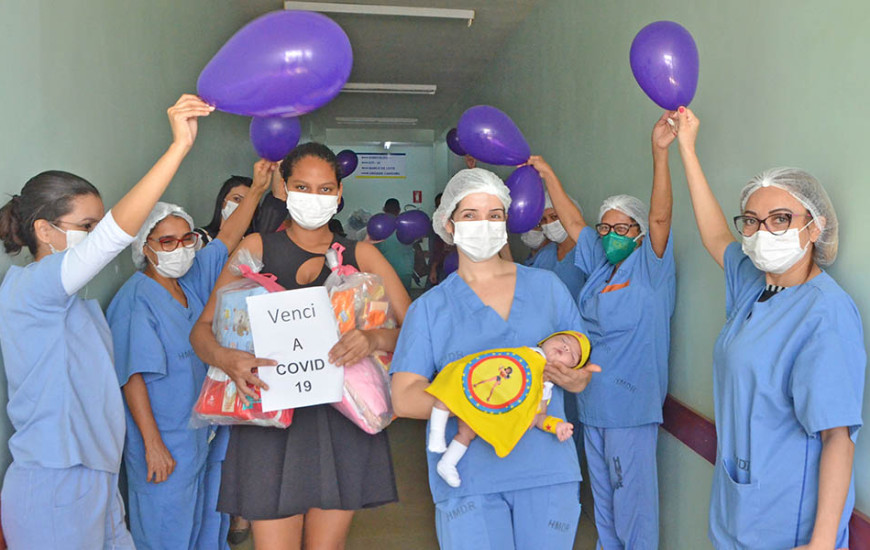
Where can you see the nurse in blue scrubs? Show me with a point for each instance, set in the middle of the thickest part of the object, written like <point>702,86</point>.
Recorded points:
<point>558,254</point>
<point>788,367</point>
<point>529,499</point>
<point>172,471</point>
<point>626,303</point>
<point>61,490</point>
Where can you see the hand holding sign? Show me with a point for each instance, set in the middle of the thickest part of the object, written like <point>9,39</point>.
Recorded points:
<point>296,328</point>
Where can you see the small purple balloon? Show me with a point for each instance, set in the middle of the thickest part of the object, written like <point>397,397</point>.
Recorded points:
<point>381,226</point>
<point>285,63</point>
<point>347,162</point>
<point>664,60</point>
<point>527,199</point>
<point>451,263</point>
<point>274,137</point>
<point>412,225</point>
<point>453,143</point>
<point>491,136</point>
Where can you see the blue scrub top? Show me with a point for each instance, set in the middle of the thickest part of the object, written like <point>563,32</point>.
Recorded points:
<point>783,370</point>
<point>629,322</point>
<point>64,401</point>
<point>548,258</point>
<point>151,331</point>
<point>449,322</point>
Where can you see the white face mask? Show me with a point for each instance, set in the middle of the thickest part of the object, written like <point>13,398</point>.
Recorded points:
<point>480,240</point>
<point>533,239</point>
<point>775,254</point>
<point>228,209</point>
<point>175,264</point>
<point>555,231</point>
<point>310,210</point>
<point>73,238</point>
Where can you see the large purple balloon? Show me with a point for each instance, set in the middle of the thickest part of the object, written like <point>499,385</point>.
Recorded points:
<point>285,63</point>
<point>453,143</point>
<point>274,137</point>
<point>412,225</point>
<point>381,226</point>
<point>489,135</point>
<point>347,162</point>
<point>664,60</point>
<point>527,199</point>
<point>451,263</point>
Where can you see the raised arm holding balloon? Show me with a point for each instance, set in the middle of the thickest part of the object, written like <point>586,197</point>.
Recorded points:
<point>785,447</point>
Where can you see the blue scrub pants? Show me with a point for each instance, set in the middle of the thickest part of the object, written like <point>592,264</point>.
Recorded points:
<point>624,479</point>
<point>527,519</point>
<point>215,525</point>
<point>62,508</point>
<point>168,517</point>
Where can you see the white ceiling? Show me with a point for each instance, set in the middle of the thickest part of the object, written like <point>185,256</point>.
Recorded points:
<point>407,50</point>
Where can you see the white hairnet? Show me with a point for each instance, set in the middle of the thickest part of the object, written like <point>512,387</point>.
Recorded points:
<point>548,202</point>
<point>632,207</point>
<point>161,211</point>
<point>810,193</point>
<point>464,183</point>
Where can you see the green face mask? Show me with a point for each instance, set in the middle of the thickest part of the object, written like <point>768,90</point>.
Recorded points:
<point>617,247</point>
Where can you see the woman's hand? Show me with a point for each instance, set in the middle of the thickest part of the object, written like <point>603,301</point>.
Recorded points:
<point>353,346</point>
<point>263,170</point>
<point>664,131</point>
<point>573,380</point>
<point>544,170</point>
<point>182,119</point>
<point>240,366</point>
<point>687,128</point>
<point>159,461</point>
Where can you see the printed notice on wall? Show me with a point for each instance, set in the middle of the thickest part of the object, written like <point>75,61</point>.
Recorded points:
<point>381,165</point>
<point>296,328</point>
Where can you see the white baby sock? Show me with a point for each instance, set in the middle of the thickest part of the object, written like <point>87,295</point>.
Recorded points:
<point>447,465</point>
<point>437,425</point>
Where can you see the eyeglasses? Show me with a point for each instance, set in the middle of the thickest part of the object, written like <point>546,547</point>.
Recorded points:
<point>168,244</point>
<point>621,229</point>
<point>777,224</point>
<point>82,226</point>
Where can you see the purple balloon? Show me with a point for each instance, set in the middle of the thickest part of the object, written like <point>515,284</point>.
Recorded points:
<point>347,162</point>
<point>285,63</point>
<point>412,225</point>
<point>664,60</point>
<point>453,143</point>
<point>527,199</point>
<point>274,137</point>
<point>381,226</point>
<point>489,135</point>
<point>451,263</point>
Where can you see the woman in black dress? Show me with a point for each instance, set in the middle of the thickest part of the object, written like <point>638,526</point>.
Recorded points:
<point>323,467</point>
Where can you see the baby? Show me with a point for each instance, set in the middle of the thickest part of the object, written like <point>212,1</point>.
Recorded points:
<point>494,402</point>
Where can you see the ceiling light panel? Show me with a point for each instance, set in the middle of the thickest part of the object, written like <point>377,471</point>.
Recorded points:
<point>395,11</point>
<point>375,88</point>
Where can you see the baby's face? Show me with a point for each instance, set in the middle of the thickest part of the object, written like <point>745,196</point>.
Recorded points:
<point>562,350</point>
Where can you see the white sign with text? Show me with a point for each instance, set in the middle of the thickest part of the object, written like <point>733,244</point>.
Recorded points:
<point>296,328</point>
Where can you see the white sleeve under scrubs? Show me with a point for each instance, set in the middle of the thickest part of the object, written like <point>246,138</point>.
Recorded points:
<point>784,370</point>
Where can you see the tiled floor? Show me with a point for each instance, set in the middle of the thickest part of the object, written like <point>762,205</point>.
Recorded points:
<point>409,524</point>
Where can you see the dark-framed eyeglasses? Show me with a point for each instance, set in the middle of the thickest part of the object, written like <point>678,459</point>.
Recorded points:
<point>621,229</point>
<point>168,244</point>
<point>776,224</point>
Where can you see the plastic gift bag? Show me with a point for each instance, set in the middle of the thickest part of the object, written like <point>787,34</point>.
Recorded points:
<point>359,301</point>
<point>219,401</point>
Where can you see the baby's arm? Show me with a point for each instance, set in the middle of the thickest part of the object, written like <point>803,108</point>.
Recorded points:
<point>561,429</point>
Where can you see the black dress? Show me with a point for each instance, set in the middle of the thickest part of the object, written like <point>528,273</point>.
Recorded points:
<point>322,460</point>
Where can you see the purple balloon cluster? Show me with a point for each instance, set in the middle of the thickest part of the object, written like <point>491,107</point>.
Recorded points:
<point>409,226</point>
